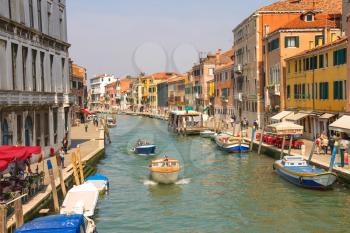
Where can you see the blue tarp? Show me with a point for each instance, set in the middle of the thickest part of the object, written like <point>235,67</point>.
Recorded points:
<point>97,177</point>
<point>54,224</point>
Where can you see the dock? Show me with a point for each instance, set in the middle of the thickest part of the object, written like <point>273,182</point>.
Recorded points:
<point>92,148</point>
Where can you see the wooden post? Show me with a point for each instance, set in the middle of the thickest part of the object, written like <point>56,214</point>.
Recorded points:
<point>261,139</point>
<point>312,151</point>
<point>282,149</point>
<point>53,186</point>
<point>290,144</point>
<point>3,219</point>
<point>75,171</point>
<point>80,165</point>
<point>60,174</point>
<point>234,129</point>
<point>18,211</point>
<point>252,138</point>
<point>334,153</point>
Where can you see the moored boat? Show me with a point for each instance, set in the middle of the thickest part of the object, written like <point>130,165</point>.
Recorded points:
<point>165,170</point>
<point>81,199</point>
<point>232,144</point>
<point>144,148</point>
<point>101,182</point>
<point>75,223</point>
<point>207,134</point>
<point>297,171</point>
<point>111,123</point>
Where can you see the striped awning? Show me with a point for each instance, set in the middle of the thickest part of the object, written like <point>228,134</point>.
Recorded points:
<point>326,116</point>
<point>281,115</point>
<point>298,116</point>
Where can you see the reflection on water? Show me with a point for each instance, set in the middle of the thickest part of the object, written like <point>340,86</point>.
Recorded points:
<point>216,192</point>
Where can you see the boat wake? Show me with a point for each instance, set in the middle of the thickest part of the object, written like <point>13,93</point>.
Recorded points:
<point>183,181</point>
<point>149,183</point>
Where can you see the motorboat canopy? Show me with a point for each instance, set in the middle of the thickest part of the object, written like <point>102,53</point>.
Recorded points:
<point>285,128</point>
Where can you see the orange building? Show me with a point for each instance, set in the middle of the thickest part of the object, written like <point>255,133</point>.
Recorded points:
<point>308,31</point>
<point>78,89</point>
<point>223,85</point>
<point>248,47</point>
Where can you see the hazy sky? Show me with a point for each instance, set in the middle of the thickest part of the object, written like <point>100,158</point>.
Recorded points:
<point>129,36</point>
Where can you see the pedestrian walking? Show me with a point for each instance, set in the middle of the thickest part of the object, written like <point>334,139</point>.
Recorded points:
<point>62,157</point>
<point>318,144</point>
<point>256,125</point>
<point>65,144</point>
<point>343,146</point>
<point>86,127</point>
<point>325,145</point>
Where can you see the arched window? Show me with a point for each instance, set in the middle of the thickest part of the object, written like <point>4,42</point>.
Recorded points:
<point>5,133</point>
<point>28,131</point>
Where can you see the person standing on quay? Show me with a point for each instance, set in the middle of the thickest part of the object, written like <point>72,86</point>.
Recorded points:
<point>86,127</point>
<point>65,144</point>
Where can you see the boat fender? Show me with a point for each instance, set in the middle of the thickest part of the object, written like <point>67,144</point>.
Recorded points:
<point>300,180</point>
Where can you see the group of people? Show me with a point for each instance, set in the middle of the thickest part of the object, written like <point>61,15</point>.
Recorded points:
<point>244,122</point>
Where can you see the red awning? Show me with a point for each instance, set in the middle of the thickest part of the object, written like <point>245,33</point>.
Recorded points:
<point>3,165</point>
<point>86,111</point>
<point>13,153</point>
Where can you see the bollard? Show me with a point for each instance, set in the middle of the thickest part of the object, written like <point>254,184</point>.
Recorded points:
<point>53,186</point>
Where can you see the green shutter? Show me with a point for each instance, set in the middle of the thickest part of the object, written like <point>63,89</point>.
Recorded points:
<point>340,90</point>
<point>297,41</point>
<point>335,58</point>
<point>345,56</point>
<point>335,91</point>
<point>286,42</point>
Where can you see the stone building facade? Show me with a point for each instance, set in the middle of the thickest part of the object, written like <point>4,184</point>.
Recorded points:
<point>34,73</point>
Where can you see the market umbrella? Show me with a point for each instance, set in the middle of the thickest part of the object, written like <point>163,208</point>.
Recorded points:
<point>3,165</point>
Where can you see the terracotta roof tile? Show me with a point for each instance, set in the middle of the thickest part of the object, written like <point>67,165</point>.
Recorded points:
<point>326,6</point>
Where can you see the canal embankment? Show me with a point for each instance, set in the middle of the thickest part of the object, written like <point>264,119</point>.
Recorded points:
<point>319,160</point>
<point>91,146</point>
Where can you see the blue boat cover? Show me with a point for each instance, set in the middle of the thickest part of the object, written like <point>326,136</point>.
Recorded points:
<point>97,177</point>
<point>54,224</point>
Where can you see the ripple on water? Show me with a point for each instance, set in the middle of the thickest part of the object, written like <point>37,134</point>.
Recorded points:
<point>217,192</point>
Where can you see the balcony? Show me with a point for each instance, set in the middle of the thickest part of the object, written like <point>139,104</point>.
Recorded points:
<point>23,98</point>
<point>274,89</point>
<point>238,68</point>
<point>224,99</point>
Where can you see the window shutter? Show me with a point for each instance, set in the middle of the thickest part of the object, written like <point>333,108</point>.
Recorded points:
<point>297,41</point>
<point>340,87</point>
<point>335,90</point>
<point>286,42</point>
<point>335,58</point>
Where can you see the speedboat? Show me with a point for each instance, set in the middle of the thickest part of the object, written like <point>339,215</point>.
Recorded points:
<point>144,148</point>
<point>58,224</point>
<point>111,123</point>
<point>296,170</point>
<point>207,134</point>
<point>165,170</point>
<point>232,144</point>
<point>101,182</point>
<point>81,199</point>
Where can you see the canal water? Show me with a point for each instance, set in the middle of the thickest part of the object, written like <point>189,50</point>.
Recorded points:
<point>217,192</point>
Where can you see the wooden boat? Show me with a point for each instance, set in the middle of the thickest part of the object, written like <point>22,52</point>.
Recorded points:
<point>232,144</point>
<point>144,148</point>
<point>101,182</point>
<point>207,134</point>
<point>81,199</point>
<point>75,223</point>
<point>297,171</point>
<point>111,123</point>
<point>165,170</point>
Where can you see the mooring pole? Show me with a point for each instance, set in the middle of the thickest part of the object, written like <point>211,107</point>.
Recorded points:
<point>334,153</point>
<point>60,174</point>
<point>252,138</point>
<point>3,218</point>
<point>261,139</point>
<point>18,211</point>
<point>75,170</point>
<point>312,151</point>
<point>80,165</point>
<point>282,149</point>
<point>53,186</point>
<point>290,144</point>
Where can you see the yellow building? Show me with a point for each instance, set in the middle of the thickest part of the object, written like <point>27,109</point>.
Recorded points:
<point>316,86</point>
<point>149,89</point>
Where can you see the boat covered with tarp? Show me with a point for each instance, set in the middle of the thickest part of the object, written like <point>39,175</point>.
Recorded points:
<point>75,223</point>
<point>81,199</point>
<point>232,144</point>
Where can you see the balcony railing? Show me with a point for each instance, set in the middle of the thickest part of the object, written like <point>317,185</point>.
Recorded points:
<point>33,98</point>
<point>238,68</point>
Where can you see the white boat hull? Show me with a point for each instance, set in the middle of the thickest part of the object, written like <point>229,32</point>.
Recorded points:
<point>165,177</point>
